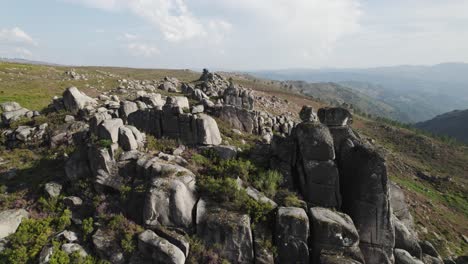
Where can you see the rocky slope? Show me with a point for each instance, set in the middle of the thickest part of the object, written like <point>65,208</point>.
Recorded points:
<point>453,124</point>
<point>202,171</point>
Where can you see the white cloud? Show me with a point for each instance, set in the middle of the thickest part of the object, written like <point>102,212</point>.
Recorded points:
<point>142,49</point>
<point>23,52</point>
<point>286,28</point>
<point>16,35</point>
<point>129,36</point>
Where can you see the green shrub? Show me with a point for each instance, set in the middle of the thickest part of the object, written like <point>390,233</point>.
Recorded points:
<point>200,254</point>
<point>268,182</point>
<point>64,220</point>
<point>128,243</point>
<point>104,143</point>
<point>58,255</point>
<point>289,199</point>
<point>234,168</point>
<point>87,227</point>
<point>24,245</point>
<point>160,144</point>
<point>218,189</point>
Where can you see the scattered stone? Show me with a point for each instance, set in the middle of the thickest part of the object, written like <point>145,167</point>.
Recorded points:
<point>109,129</point>
<point>53,189</point>
<point>107,247</point>
<point>159,249</point>
<point>70,248</point>
<point>69,119</point>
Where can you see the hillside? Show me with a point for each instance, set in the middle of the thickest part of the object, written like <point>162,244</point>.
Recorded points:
<point>453,124</point>
<point>419,92</point>
<point>115,183</point>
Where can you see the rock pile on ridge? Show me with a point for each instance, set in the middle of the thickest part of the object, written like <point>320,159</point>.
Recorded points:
<point>349,211</point>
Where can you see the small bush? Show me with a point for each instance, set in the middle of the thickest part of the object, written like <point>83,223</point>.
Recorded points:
<point>289,199</point>
<point>235,168</point>
<point>200,254</point>
<point>268,182</point>
<point>64,220</point>
<point>160,144</point>
<point>104,143</point>
<point>24,245</point>
<point>87,227</point>
<point>58,256</point>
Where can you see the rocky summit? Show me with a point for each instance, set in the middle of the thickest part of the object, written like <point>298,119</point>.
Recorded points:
<point>205,171</point>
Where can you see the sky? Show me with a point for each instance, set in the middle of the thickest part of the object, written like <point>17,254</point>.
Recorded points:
<point>235,34</point>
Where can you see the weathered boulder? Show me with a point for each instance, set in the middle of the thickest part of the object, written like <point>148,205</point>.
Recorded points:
<point>8,117</point>
<point>334,116</point>
<point>400,208</point>
<point>152,99</point>
<point>126,108</point>
<point>428,249</point>
<point>316,172</point>
<point>291,235</point>
<point>126,139</point>
<point>74,100</point>
<point>104,168</point>
<point>403,257</point>
<point>229,231</point>
<point>109,129</point>
<point>107,247</point>
<point>178,101</point>
<point>53,189</point>
<point>319,182</point>
<point>259,197</point>
<point>366,198</point>
<point>67,235</point>
<point>10,221</point>
<point>404,239</point>
<point>239,97</point>
<point>171,197</point>
<point>427,259</point>
<point>208,131</point>
<point>333,232</point>
<point>46,254</point>
<point>314,142</point>
<point>159,249</point>
<point>71,248</point>
<point>238,118</point>
<point>10,106</point>
<point>307,114</point>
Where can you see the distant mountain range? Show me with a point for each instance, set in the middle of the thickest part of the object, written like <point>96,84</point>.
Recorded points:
<point>453,124</point>
<point>413,93</point>
<point>24,61</point>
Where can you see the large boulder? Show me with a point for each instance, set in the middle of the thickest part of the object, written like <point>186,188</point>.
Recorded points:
<point>319,182</point>
<point>10,106</point>
<point>314,142</point>
<point>109,129</point>
<point>239,97</point>
<point>239,118</point>
<point>334,116</point>
<point>8,117</point>
<point>208,131</point>
<point>127,108</point>
<point>171,196</point>
<point>170,199</point>
<point>316,172</point>
<point>229,231</point>
<point>10,221</point>
<point>403,257</point>
<point>158,249</point>
<point>74,100</point>
<point>428,249</point>
<point>126,139</point>
<point>292,234</point>
<point>400,207</point>
<point>366,198</point>
<point>307,114</point>
<point>333,232</point>
<point>404,239</point>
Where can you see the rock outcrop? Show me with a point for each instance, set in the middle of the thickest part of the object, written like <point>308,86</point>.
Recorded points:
<point>292,235</point>
<point>229,230</point>
<point>74,100</point>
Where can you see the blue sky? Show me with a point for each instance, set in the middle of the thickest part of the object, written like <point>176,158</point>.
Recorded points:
<point>235,34</point>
